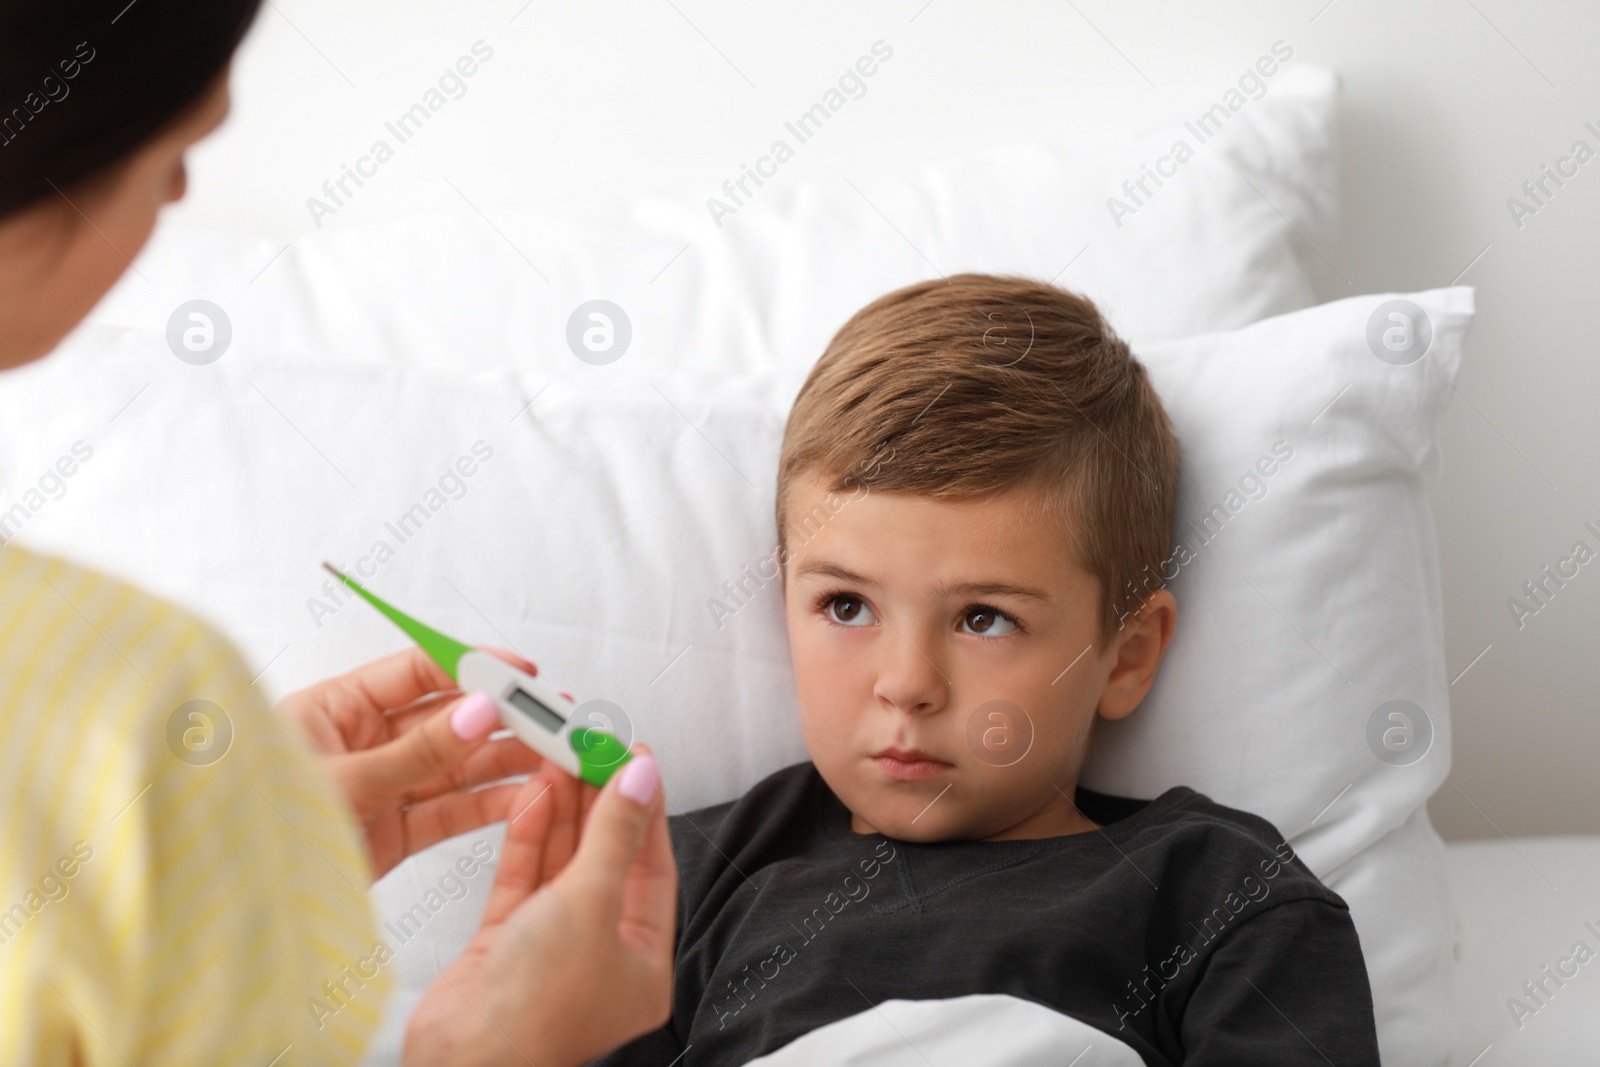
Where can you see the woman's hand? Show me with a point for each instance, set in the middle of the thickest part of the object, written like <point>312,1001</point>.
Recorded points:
<point>574,956</point>
<point>408,750</point>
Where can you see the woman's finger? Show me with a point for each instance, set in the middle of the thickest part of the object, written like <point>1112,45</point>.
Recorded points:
<point>391,682</point>
<point>521,868</point>
<point>434,749</point>
<point>397,721</point>
<point>620,825</point>
<point>448,816</point>
<point>401,720</point>
<point>512,658</point>
<point>386,684</point>
<point>403,717</point>
<point>565,825</point>
<point>502,757</point>
<point>495,760</point>
<point>650,898</point>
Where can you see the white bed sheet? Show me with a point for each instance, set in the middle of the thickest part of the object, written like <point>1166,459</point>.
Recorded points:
<point>977,1031</point>
<point>1522,905</point>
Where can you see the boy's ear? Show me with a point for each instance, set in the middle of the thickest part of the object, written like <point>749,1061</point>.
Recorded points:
<point>1137,649</point>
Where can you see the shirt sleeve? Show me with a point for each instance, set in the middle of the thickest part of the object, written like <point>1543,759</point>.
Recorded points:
<point>1288,987</point>
<point>192,887</point>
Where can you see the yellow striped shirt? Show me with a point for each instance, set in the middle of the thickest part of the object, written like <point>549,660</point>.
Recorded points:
<point>179,882</point>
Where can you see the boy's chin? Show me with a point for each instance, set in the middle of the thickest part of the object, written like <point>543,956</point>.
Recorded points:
<point>913,811</point>
<point>903,829</point>
<point>917,825</point>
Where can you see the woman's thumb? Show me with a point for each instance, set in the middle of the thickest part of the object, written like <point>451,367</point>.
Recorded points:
<point>617,826</point>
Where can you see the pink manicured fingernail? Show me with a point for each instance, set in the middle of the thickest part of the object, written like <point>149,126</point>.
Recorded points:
<point>474,717</point>
<point>640,778</point>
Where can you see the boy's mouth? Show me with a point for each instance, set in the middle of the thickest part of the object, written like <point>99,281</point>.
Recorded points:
<point>909,764</point>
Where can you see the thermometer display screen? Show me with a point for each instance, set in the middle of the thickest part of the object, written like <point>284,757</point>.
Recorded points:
<point>536,711</point>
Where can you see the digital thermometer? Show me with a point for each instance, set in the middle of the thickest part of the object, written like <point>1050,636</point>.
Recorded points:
<point>529,708</point>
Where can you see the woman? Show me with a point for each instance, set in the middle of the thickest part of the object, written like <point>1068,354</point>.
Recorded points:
<point>181,879</point>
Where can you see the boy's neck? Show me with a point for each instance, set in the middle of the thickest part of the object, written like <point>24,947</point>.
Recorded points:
<point>1058,817</point>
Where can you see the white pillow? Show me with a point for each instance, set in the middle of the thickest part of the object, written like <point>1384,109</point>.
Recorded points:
<point>595,529</point>
<point>1213,247</point>
<point>1306,681</point>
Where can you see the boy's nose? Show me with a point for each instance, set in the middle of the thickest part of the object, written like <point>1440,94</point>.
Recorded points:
<point>910,678</point>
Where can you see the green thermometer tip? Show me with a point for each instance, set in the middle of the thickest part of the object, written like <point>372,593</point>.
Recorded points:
<point>600,754</point>
<point>444,650</point>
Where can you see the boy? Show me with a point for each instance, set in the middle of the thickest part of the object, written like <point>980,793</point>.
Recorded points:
<point>973,480</point>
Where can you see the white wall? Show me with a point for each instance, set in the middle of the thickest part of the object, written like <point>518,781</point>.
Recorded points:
<point>1449,107</point>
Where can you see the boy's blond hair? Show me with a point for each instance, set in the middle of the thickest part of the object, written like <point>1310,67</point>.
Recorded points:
<point>967,387</point>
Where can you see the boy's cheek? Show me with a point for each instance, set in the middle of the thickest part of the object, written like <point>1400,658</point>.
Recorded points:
<point>827,687</point>
<point>827,725</point>
<point>1045,751</point>
<point>999,733</point>
<point>989,791</point>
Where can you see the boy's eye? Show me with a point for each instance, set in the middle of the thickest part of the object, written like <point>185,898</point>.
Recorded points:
<point>987,622</point>
<point>848,610</point>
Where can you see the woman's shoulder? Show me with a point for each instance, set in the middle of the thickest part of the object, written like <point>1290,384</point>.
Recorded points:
<point>105,679</point>
<point>149,766</point>
<point>48,602</point>
<point>110,688</point>
<point>96,655</point>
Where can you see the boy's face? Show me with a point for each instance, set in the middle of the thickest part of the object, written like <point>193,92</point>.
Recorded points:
<point>960,632</point>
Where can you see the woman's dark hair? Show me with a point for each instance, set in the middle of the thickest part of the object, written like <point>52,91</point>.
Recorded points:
<point>84,83</point>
